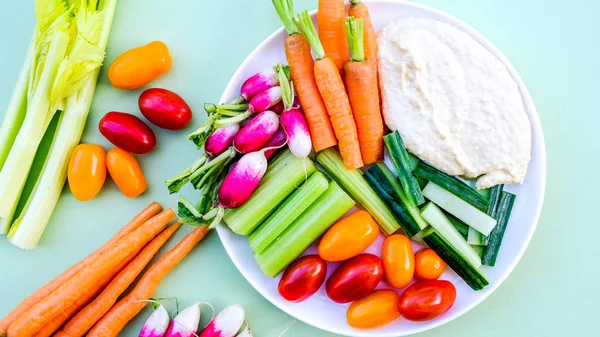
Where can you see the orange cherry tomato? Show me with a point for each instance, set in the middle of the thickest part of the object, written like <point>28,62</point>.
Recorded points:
<point>139,66</point>
<point>398,260</point>
<point>348,237</point>
<point>428,265</point>
<point>126,172</point>
<point>377,309</point>
<point>87,171</point>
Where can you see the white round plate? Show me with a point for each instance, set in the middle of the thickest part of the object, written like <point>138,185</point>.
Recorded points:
<point>321,312</point>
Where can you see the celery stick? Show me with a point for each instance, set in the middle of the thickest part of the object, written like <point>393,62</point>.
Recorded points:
<point>353,182</point>
<point>321,215</point>
<point>285,214</point>
<point>15,113</point>
<point>283,176</point>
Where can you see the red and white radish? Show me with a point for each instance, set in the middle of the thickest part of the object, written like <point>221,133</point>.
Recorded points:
<point>157,323</point>
<point>254,135</point>
<point>242,180</point>
<point>258,83</point>
<point>227,323</point>
<point>292,119</point>
<point>277,108</point>
<point>265,99</point>
<point>185,324</point>
<point>295,126</point>
<point>277,141</point>
<point>245,333</point>
<point>220,140</point>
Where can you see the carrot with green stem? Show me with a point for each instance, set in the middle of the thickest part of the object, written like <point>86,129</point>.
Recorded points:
<point>129,306</point>
<point>360,11</point>
<point>331,17</point>
<point>334,96</point>
<point>46,290</point>
<point>85,319</point>
<point>360,76</point>
<point>300,60</point>
<point>43,312</point>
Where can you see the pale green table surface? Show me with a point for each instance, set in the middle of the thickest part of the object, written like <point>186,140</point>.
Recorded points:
<point>554,290</point>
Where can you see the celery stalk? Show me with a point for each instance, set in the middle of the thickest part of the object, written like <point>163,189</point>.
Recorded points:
<point>17,165</point>
<point>285,214</point>
<point>307,228</point>
<point>354,183</point>
<point>80,69</point>
<point>15,113</point>
<point>283,176</point>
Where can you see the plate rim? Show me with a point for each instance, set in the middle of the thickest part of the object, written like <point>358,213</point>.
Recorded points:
<point>536,124</point>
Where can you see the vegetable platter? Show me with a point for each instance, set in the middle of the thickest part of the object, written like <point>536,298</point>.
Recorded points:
<point>319,310</point>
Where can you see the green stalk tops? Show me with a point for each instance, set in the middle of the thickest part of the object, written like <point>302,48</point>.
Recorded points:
<point>354,31</point>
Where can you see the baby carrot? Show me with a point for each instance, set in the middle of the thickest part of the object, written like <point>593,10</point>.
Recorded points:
<point>46,290</point>
<point>88,316</point>
<point>64,296</point>
<point>129,306</point>
<point>297,52</point>
<point>360,11</point>
<point>360,76</point>
<point>334,96</point>
<point>331,18</point>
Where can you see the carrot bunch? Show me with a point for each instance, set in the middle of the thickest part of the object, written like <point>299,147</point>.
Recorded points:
<point>83,297</point>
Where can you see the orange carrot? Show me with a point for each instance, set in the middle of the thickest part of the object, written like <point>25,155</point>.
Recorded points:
<point>129,306</point>
<point>334,96</point>
<point>360,11</point>
<point>88,316</point>
<point>297,52</point>
<point>331,18</point>
<point>360,76</point>
<point>46,290</point>
<point>59,300</point>
<point>49,328</point>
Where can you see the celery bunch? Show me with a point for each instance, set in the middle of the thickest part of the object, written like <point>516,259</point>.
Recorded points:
<point>58,77</point>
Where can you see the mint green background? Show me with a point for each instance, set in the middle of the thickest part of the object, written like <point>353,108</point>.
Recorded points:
<point>553,44</point>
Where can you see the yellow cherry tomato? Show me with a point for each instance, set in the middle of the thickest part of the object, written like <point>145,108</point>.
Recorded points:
<point>428,265</point>
<point>139,66</point>
<point>126,172</point>
<point>376,309</point>
<point>87,171</point>
<point>398,260</point>
<point>348,237</point>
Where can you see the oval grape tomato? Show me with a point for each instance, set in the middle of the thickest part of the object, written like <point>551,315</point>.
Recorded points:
<point>302,278</point>
<point>376,309</point>
<point>87,171</point>
<point>398,260</point>
<point>428,265</point>
<point>165,108</point>
<point>348,237</point>
<point>426,300</point>
<point>127,132</point>
<point>139,66</point>
<point>355,278</point>
<point>126,172</point>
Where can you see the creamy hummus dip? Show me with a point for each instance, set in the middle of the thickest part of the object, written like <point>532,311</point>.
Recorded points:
<point>454,103</point>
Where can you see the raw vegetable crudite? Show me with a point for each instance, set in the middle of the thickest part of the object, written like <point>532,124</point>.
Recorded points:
<point>87,171</point>
<point>299,57</point>
<point>128,132</point>
<point>157,324</point>
<point>62,68</point>
<point>165,108</point>
<point>227,323</point>
<point>185,324</point>
<point>126,172</point>
<point>348,237</point>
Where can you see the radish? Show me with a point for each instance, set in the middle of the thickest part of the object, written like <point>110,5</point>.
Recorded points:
<point>257,132</point>
<point>292,119</point>
<point>185,324</point>
<point>258,83</point>
<point>245,333</point>
<point>277,108</point>
<point>265,99</point>
<point>277,141</point>
<point>241,181</point>
<point>220,140</point>
<point>227,323</point>
<point>157,323</point>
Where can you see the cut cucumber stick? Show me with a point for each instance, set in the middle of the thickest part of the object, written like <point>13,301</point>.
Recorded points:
<point>402,162</point>
<point>503,211</point>
<point>454,205</point>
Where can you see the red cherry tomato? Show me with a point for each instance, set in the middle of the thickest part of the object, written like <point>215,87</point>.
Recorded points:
<point>165,108</point>
<point>426,300</point>
<point>303,278</point>
<point>355,278</point>
<point>127,132</point>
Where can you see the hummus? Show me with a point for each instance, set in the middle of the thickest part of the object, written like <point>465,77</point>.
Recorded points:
<point>454,103</point>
